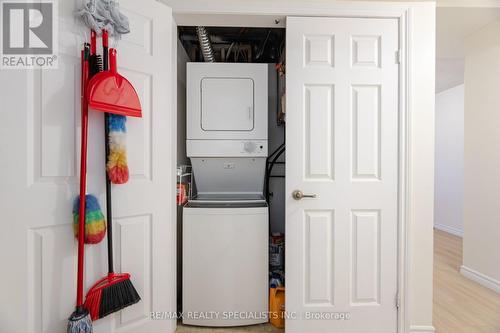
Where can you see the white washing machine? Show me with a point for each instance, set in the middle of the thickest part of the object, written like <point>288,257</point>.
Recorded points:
<point>225,226</point>
<point>225,267</point>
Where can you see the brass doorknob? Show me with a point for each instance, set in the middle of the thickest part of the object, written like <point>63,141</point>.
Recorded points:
<point>298,195</point>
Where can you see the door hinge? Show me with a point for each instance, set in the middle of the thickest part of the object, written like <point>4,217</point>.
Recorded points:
<point>397,301</point>
<point>398,56</point>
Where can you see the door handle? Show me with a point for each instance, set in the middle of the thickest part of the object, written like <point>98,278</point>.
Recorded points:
<point>298,195</point>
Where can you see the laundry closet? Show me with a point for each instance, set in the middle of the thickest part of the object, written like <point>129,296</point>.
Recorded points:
<point>335,181</point>
<point>231,173</point>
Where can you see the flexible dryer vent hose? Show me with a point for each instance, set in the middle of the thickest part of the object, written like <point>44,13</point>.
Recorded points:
<point>205,44</point>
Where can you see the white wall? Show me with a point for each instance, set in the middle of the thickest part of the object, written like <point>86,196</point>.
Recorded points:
<point>482,155</point>
<point>421,168</point>
<point>448,201</point>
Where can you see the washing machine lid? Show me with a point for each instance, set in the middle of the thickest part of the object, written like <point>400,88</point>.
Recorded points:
<point>229,201</point>
<point>228,198</point>
<point>226,177</point>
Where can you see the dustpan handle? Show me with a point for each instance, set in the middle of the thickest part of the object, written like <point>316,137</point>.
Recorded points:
<point>112,60</point>
<point>93,42</point>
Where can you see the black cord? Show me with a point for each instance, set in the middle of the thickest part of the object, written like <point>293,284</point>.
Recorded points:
<point>271,166</point>
<point>267,165</point>
<point>276,150</point>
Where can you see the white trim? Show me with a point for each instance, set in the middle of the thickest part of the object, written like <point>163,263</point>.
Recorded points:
<point>468,3</point>
<point>236,20</point>
<point>173,174</point>
<point>404,168</point>
<point>480,278</point>
<point>290,7</point>
<point>422,329</point>
<point>451,230</point>
<point>262,13</point>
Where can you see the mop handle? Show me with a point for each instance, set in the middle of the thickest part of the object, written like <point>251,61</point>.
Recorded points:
<point>83,177</point>
<point>109,210</point>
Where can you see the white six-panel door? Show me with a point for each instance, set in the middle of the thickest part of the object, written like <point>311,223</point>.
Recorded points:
<point>342,146</point>
<point>40,137</point>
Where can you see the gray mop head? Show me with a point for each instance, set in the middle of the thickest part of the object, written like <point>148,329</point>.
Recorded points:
<point>79,322</point>
<point>104,14</point>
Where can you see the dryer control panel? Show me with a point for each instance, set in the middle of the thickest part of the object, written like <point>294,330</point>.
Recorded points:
<point>252,147</point>
<point>234,148</point>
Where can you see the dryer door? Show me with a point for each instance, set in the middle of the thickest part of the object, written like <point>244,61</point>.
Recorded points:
<point>227,101</point>
<point>227,104</point>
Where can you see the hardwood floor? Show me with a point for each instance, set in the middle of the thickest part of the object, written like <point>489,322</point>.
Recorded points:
<point>460,305</point>
<point>265,328</point>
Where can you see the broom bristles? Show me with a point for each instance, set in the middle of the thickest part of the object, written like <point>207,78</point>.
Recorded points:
<point>111,294</point>
<point>117,296</point>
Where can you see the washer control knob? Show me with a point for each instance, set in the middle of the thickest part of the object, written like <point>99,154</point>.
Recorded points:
<point>249,146</point>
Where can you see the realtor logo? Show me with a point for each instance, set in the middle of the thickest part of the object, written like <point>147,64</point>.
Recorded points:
<point>28,34</point>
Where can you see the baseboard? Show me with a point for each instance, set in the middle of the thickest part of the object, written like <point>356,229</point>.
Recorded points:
<point>422,329</point>
<point>450,230</point>
<point>173,326</point>
<point>480,278</point>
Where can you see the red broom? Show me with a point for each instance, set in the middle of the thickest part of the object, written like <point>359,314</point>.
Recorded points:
<point>110,294</point>
<point>115,291</point>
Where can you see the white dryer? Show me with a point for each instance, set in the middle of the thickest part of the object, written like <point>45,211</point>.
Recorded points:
<point>226,101</point>
<point>225,226</point>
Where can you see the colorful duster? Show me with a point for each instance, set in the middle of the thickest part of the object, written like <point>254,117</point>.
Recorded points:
<point>95,225</point>
<point>117,160</point>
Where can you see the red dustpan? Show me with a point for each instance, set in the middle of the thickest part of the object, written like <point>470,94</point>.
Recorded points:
<point>110,92</point>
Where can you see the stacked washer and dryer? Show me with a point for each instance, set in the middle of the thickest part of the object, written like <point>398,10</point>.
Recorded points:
<point>225,225</point>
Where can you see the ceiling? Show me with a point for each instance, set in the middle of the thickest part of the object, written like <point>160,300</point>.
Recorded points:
<point>453,26</point>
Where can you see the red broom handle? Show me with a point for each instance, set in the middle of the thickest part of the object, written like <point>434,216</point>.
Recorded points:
<point>83,180</point>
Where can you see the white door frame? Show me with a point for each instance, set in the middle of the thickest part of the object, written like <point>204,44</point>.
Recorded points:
<point>264,15</point>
